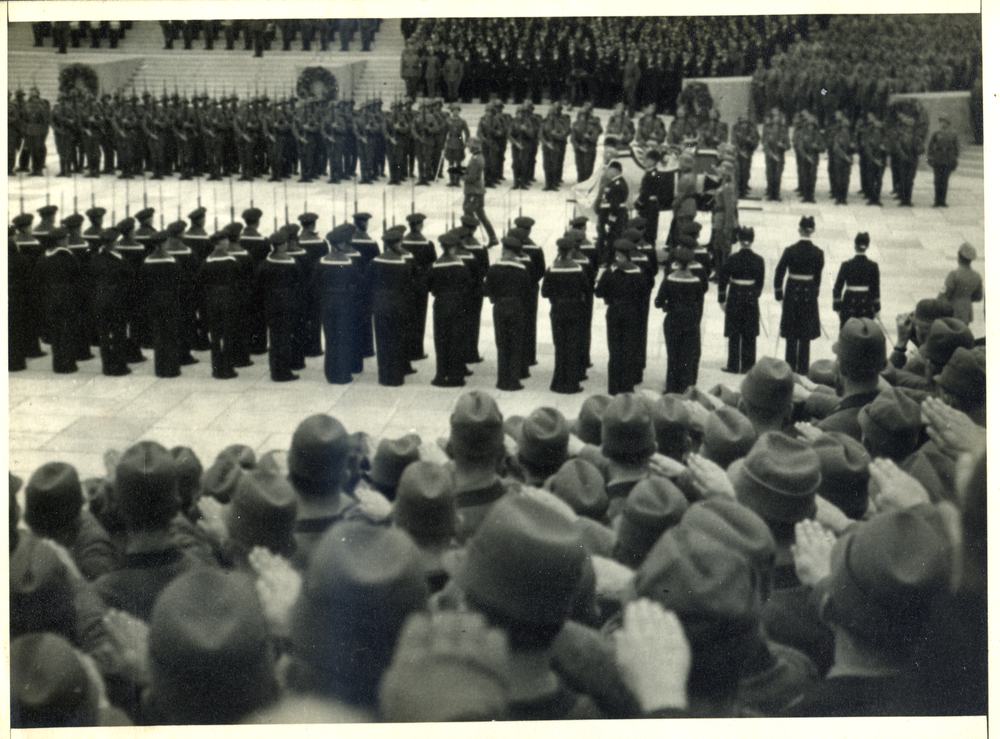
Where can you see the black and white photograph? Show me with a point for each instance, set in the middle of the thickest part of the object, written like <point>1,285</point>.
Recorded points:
<point>549,366</point>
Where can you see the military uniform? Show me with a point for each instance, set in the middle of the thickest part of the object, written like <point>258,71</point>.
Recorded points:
<point>856,289</point>
<point>424,254</point>
<point>775,143</point>
<point>161,276</point>
<point>507,286</point>
<point>741,281</point>
<point>625,290</point>
<point>454,146</point>
<point>872,152</point>
<point>112,277</point>
<point>585,133</point>
<point>942,155</point>
<point>392,283</point>
<point>803,261</point>
<point>367,250</point>
<point>335,285</point>
<point>57,276</point>
<point>553,133</point>
<point>681,297</point>
<point>611,215</point>
<point>906,149</point>
<point>840,158</point>
<point>449,281</point>
<point>566,285</point>
<point>279,280</point>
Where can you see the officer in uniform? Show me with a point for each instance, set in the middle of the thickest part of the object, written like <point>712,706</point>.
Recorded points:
<point>188,264</point>
<point>566,285</point>
<point>553,133</point>
<point>310,330</point>
<point>392,282</point>
<point>856,290</point>
<point>872,152</point>
<point>775,143</point>
<point>681,297</point>
<point>536,270</point>
<point>741,281</point>
<point>840,158</point>
<point>57,277</point>
<point>454,145</point>
<point>161,276</point>
<point>803,261</point>
<point>423,253</point>
<point>746,139</point>
<point>586,132</point>
<point>334,286</point>
<point>37,115</point>
<point>610,207</point>
<point>942,155</point>
<point>367,250</point>
<point>476,259</point>
<point>475,190</point>
<point>112,278</point>
<point>449,281</point>
<point>625,290</point>
<point>279,283</point>
<point>906,150</point>
<point>507,286</point>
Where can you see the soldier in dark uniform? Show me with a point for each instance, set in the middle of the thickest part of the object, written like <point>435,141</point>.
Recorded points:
<point>656,193</point>
<point>803,261</point>
<point>36,129</point>
<point>217,282</point>
<point>367,250</point>
<point>424,254</point>
<point>942,155</point>
<point>112,278</point>
<point>30,248</point>
<point>392,284</point>
<point>452,72</point>
<point>139,333</point>
<point>906,150</point>
<point>86,333</point>
<point>507,285</point>
<point>310,331</point>
<point>278,283</point>
<point>681,297</point>
<point>775,144</point>
<point>57,276</point>
<point>586,131</point>
<point>15,129</point>
<point>257,247</point>
<point>196,239</point>
<point>161,276</point>
<point>610,207</point>
<point>454,147</point>
<point>741,281</point>
<point>476,259</point>
<point>92,234</point>
<point>553,133</point>
<point>144,218</point>
<point>335,285</point>
<point>566,285</point>
<point>746,139</point>
<point>872,152</point>
<point>650,131</point>
<point>856,290</point>
<point>625,290</point>
<point>243,296</point>
<point>449,281</point>
<point>188,264</point>
<point>840,157</point>
<point>536,271</point>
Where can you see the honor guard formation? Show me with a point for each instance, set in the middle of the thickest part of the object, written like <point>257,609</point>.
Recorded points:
<point>809,541</point>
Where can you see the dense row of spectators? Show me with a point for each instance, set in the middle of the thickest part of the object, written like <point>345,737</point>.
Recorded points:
<point>807,546</point>
<point>642,60</point>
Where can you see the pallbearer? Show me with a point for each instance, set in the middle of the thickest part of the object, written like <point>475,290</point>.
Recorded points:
<point>449,281</point>
<point>335,287</point>
<point>741,281</point>
<point>566,285</point>
<point>803,261</point>
<point>161,274</point>
<point>856,290</point>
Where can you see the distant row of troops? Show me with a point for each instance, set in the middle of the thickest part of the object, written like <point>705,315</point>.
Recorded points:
<point>238,293</point>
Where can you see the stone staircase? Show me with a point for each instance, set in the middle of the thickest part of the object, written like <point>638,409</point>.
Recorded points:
<point>381,75</point>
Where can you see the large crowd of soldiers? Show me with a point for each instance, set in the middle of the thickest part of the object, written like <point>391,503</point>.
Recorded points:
<point>215,137</point>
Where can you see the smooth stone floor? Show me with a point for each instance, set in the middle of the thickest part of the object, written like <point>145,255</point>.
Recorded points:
<point>75,418</point>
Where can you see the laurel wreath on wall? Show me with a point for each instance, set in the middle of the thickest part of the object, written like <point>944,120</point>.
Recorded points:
<point>317,82</point>
<point>76,75</point>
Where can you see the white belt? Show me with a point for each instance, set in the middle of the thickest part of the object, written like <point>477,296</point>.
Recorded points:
<point>799,277</point>
<point>747,283</point>
<point>857,288</point>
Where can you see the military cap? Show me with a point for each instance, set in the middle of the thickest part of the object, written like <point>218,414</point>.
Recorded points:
<point>95,213</point>
<point>967,252</point>
<point>944,337</point>
<point>524,222</point>
<point>965,375</point>
<point>470,221</point>
<point>291,229</point>
<point>683,255</point>
<point>862,240</point>
<point>23,219</point>
<point>308,218</point>
<point>425,501</point>
<point>362,216</point>
<point>278,237</point>
<point>341,234</point>
<point>110,235</point>
<point>768,384</point>
<point>615,165</point>
<point>125,225</point>
<point>565,244</point>
<point>624,245</point>
<point>252,215</point>
<point>745,234</point>
<point>176,228</point>
<point>511,243</point>
<point>53,498</point>
<point>579,222</point>
<point>890,425</point>
<point>145,214</point>
<point>930,309</point>
<point>449,239</point>
<point>48,210</point>
<point>632,234</point>
<point>637,223</point>
<point>158,237</point>
<point>807,223</point>
<point>392,236</point>
<point>197,213</point>
<point>627,432</point>
<point>416,218</point>
<point>778,478</point>
<point>519,233</point>
<point>74,220</point>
